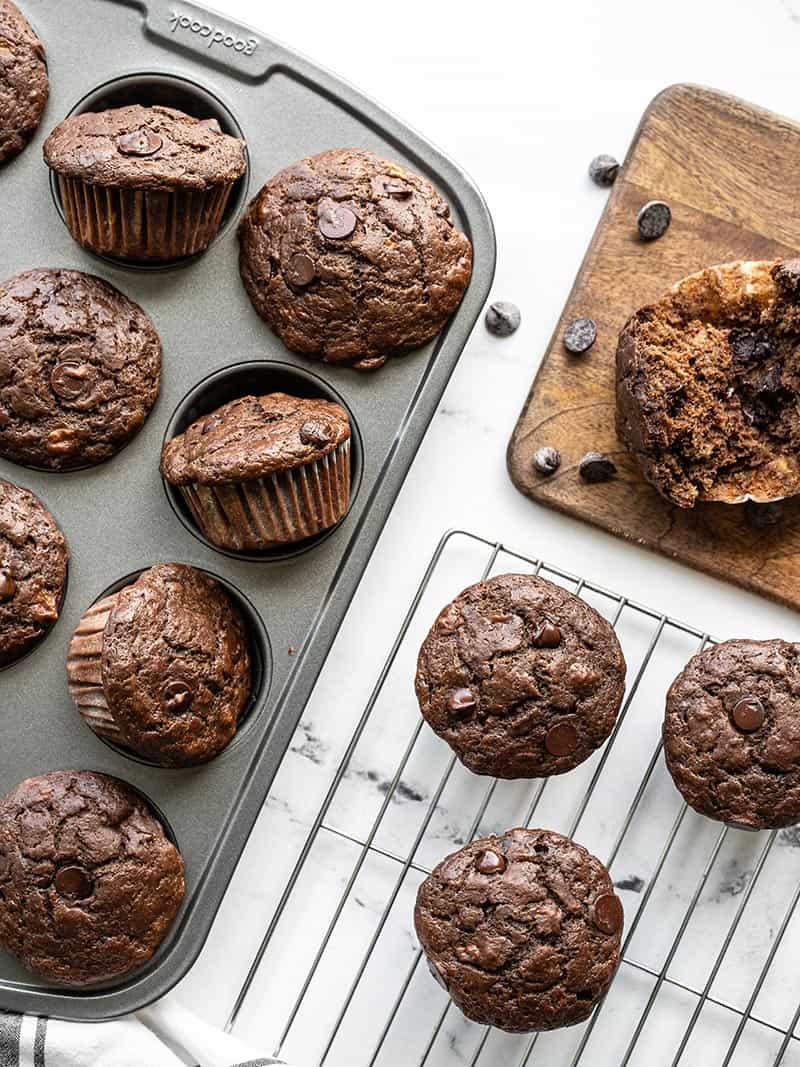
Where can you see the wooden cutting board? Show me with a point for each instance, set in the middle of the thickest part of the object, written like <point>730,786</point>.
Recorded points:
<point>731,175</point>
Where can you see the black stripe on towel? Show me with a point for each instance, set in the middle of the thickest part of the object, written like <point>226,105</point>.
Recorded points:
<point>10,1027</point>
<point>38,1045</point>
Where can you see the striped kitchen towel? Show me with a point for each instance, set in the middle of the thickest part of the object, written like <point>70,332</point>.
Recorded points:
<point>163,1035</point>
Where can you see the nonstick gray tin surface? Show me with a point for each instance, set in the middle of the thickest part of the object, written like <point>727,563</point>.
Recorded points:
<point>117,517</point>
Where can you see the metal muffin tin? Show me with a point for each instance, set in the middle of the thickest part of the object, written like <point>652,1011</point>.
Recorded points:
<point>117,517</point>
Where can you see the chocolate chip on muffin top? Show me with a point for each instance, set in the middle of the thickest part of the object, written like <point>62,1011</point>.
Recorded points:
<point>89,882</point>
<point>24,86</point>
<point>732,733</point>
<point>80,369</point>
<point>351,258</point>
<point>33,571</point>
<point>523,930</point>
<point>520,677</point>
<point>144,147</point>
<point>254,436</point>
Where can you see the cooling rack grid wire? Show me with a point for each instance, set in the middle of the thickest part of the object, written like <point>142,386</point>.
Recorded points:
<point>709,972</point>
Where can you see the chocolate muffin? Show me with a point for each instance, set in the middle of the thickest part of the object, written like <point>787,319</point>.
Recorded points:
<point>24,87</point>
<point>162,667</point>
<point>146,183</point>
<point>522,930</point>
<point>732,733</point>
<point>263,470</point>
<point>352,259</point>
<point>80,369</point>
<point>520,677</point>
<point>33,571</point>
<point>707,381</point>
<point>89,882</point>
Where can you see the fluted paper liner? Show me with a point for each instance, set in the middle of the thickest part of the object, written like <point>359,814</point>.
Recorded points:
<point>142,223</point>
<point>85,670</point>
<point>279,509</point>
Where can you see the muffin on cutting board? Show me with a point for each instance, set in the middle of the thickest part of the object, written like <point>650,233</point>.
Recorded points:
<point>522,929</point>
<point>707,380</point>
<point>89,881</point>
<point>521,677</point>
<point>24,86</point>
<point>352,259</point>
<point>162,667</point>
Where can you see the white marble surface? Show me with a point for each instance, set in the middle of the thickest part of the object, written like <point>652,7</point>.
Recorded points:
<point>522,95</point>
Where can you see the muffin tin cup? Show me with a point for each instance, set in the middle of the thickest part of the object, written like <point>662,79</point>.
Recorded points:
<point>283,508</point>
<point>142,224</point>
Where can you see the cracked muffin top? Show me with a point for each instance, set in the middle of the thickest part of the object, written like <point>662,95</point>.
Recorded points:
<point>254,436</point>
<point>144,147</point>
<point>33,571</point>
<point>520,677</point>
<point>351,258</point>
<point>24,87</point>
<point>80,369</point>
<point>89,882</point>
<point>707,380</point>
<point>732,733</point>
<point>523,930</point>
<point>175,665</point>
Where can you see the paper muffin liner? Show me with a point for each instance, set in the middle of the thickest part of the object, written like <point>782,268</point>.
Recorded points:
<point>142,223</point>
<point>281,508</point>
<point>85,670</point>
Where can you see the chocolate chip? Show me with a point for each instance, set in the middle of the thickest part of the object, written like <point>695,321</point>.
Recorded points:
<point>209,424</point>
<point>397,189</point>
<point>69,379</point>
<point>595,467</point>
<point>141,142</point>
<point>547,460</point>
<point>336,220</point>
<point>315,433</point>
<point>547,635</point>
<point>62,442</point>
<point>74,883</point>
<point>653,220</point>
<point>502,318</point>
<point>748,714</point>
<point>787,275</point>
<point>489,862</point>
<point>461,703</point>
<point>561,739</point>
<point>210,124</point>
<point>770,382</point>
<point>8,586</point>
<point>743,343</point>
<point>580,335</point>
<point>301,270</point>
<point>176,696</point>
<point>603,170</point>
<point>607,914</point>
<point>763,516</point>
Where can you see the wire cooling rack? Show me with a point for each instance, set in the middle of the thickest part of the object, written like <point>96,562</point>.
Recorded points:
<point>709,972</point>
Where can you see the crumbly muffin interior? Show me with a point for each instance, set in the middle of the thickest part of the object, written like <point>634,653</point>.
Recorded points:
<point>708,380</point>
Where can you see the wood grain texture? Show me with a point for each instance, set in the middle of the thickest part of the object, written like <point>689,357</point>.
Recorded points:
<point>728,171</point>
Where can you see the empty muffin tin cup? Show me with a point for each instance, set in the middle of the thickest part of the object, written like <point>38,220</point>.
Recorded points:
<point>121,224</point>
<point>84,666</point>
<point>287,512</point>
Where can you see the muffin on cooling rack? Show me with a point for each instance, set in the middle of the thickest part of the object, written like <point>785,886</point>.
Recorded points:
<point>263,471</point>
<point>89,882</point>
<point>351,258</point>
<point>24,87</point>
<point>33,571</point>
<point>707,382</point>
<point>732,733</point>
<point>80,369</point>
<point>523,930</point>
<point>520,677</point>
<point>162,667</point>
<point>146,183</point>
